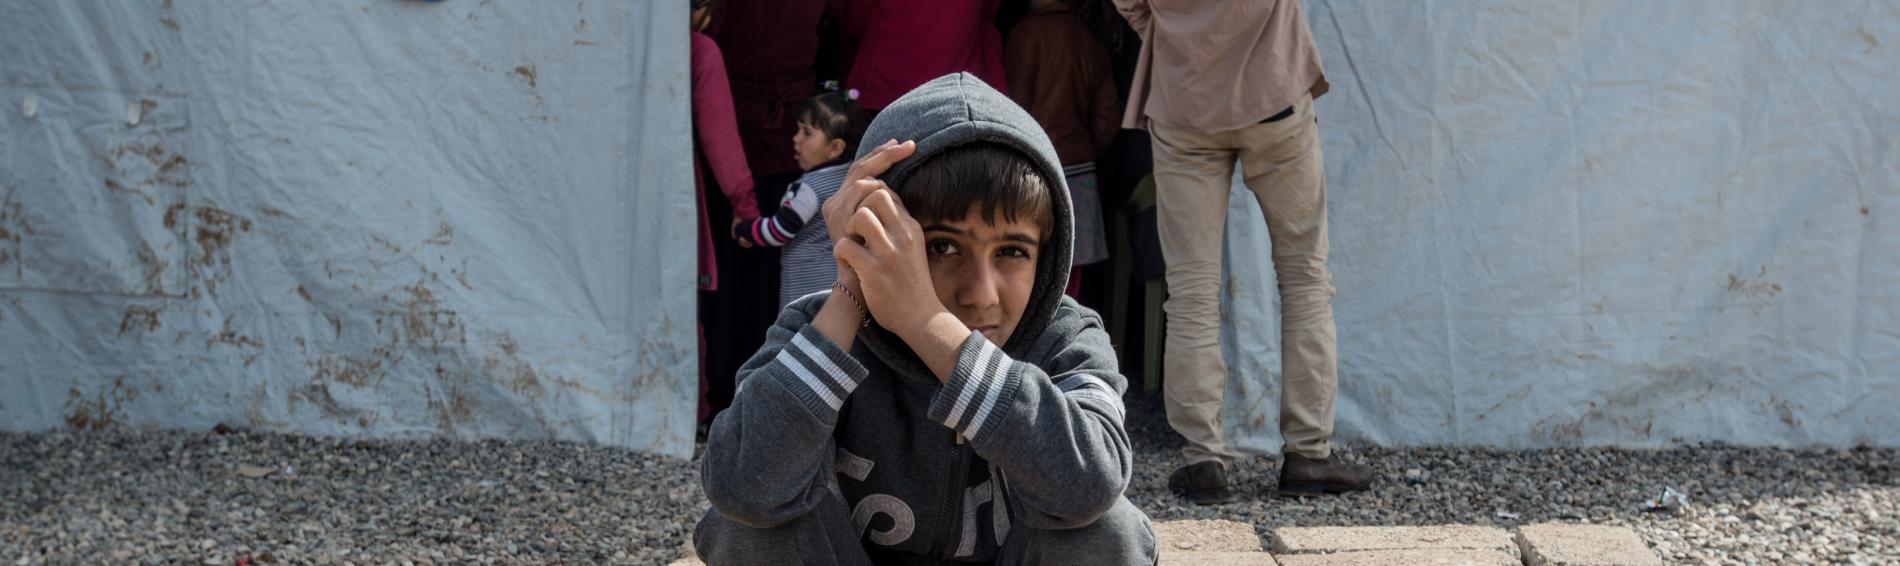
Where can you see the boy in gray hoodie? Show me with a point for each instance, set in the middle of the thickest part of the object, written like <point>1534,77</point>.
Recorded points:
<point>944,402</point>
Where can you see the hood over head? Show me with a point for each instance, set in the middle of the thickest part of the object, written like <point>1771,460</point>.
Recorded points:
<point>959,109</point>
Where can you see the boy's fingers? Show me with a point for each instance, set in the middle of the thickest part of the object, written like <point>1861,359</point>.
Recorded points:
<point>890,216</point>
<point>881,159</point>
<point>864,224</point>
<point>850,254</point>
<point>858,191</point>
<point>899,201</point>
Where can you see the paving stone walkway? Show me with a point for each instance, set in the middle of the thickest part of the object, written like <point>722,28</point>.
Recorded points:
<point>1230,543</point>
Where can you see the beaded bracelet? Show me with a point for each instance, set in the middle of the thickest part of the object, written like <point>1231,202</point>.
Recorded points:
<point>864,315</point>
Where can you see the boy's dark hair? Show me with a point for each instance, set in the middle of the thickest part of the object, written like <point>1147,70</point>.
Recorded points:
<point>839,117</point>
<point>999,178</point>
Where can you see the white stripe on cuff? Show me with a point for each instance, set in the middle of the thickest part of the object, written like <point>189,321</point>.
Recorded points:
<point>1001,377</point>
<point>785,358</point>
<point>824,362</point>
<point>970,384</point>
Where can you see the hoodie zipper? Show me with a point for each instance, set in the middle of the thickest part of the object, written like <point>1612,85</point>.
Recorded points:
<point>946,521</point>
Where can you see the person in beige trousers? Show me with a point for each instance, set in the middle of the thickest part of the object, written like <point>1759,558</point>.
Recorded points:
<point>1218,83</point>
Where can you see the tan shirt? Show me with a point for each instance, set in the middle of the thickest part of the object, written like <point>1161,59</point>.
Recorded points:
<point>1219,65</point>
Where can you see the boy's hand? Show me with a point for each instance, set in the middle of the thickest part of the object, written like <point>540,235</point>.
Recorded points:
<point>886,250</point>
<point>883,245</point>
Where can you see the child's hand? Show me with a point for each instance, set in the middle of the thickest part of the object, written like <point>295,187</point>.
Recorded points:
<point>734,232</point>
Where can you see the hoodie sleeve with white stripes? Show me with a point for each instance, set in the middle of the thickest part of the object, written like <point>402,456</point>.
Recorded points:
<point>1052,428</point>
<point>768,456</point>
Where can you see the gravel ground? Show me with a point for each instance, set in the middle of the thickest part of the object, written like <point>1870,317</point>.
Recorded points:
<point>161,497</point>
<point>1747,505</point>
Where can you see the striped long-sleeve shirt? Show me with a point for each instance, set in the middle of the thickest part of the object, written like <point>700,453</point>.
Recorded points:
<point>806,265</point>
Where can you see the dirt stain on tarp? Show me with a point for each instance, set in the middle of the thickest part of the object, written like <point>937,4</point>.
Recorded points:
<point>213,229</point>
<point>153,277</point>
<point>100,411</point>
<point>228,336</point>
<point>14,227</point>
<point>1758,293</point>
<point>444,235</point>
<point>1681,385</point>
<point>214,232</point>
<point>150,166</point>
<point>411,327</point>
<point>168,17</point>
<point>1786,413</point>
<point>317,394</point>
<point>114,186</point>
<point>526,72</point>
<point>1756,289</point>
<point>139,317</point>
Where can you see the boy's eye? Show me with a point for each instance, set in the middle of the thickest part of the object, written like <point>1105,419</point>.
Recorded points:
<point>940,248</point>
<point>1013,252</point>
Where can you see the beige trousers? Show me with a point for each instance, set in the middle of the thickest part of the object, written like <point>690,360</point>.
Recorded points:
<point>1285,172</point>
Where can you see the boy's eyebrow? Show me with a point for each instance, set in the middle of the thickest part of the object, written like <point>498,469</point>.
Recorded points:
<point>1022,238</point>
<point>1019,237</point>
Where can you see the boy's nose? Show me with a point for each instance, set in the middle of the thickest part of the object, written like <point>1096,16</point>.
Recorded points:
<point>978,288</point>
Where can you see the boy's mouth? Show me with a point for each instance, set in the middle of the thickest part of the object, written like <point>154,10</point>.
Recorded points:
<point>988,330</point>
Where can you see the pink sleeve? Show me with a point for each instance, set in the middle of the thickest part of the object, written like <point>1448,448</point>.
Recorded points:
<point>718,130</point>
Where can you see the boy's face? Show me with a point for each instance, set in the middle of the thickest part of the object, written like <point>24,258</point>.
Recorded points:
<point>984,271</point>
<point>811,147</point>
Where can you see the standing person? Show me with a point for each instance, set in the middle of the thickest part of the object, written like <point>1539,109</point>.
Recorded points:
<point>903,43</point>
<point>769,48</point>
<point>1219,82</point>
<point>829,126</point>
<point>1061,75</point>
<point>715,147</point>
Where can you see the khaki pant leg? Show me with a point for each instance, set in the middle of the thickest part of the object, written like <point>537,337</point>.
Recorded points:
<point>1193,174</point>
<point>1285,171</point>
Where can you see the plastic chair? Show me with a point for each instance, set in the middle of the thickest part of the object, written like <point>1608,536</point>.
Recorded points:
<point>1138,261</point>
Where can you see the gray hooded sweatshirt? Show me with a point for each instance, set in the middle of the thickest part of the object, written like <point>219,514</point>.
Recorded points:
<point>1040,418</point>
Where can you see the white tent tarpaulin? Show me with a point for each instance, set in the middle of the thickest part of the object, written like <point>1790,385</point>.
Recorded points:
<point>1599,223</point>
<point>1553,223</point>
<point>387,218</point>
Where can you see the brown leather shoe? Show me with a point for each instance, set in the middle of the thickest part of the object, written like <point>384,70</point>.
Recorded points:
<point>1301,476</point>
<point>1204,483</point>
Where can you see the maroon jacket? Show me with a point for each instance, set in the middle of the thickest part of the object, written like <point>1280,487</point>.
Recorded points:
<point>771,47</point>
<point>904,43</point>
